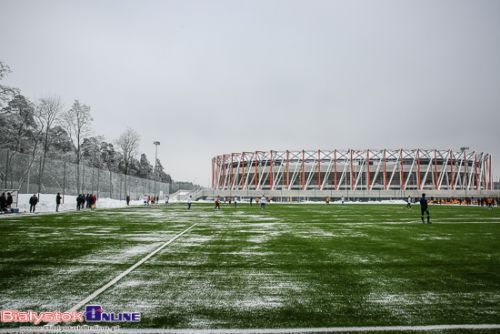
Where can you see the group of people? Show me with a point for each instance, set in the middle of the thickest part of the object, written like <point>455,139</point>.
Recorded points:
<point>6,202</point>
<point>262,201</point>
<point>481,201</point>
<point>148,199</point>
<point>86,201</point>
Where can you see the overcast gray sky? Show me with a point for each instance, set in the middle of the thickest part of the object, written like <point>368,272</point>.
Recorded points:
<point>211,77</point>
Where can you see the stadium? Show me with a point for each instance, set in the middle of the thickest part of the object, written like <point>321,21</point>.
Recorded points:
<point>385,173</point>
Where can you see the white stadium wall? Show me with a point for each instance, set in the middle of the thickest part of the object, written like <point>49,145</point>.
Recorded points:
<point>367,173</point>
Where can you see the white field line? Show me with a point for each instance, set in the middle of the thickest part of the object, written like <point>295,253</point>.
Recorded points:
<point>81,329</point>
<point>123,274</point>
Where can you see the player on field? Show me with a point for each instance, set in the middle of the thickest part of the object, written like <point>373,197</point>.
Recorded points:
<point>217,203</point>
<point>408,202</point>
<point>189,202</point>
<point>263,201</point>
<point>424,208</point>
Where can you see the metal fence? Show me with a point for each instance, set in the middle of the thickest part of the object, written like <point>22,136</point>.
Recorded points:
<point>22,171</point>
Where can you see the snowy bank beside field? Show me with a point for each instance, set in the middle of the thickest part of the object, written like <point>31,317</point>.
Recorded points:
<point>246,201</point>
<point>47,203</point>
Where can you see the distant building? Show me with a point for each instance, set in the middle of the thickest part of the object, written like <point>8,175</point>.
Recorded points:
<point>370,173</point>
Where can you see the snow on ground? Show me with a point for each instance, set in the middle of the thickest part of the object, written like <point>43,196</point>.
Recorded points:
<point>47,203</point>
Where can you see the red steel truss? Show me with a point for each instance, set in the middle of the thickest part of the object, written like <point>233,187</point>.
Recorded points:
<point>366,170</point>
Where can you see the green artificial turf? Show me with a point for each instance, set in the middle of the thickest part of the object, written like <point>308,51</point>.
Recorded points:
<point>286,266</point>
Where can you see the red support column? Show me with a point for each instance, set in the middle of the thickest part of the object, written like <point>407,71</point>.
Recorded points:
<point>271,171</point>
<point>319,170</point>
<point>256,176</point>
<point>402,176</point>
<point>217,172</point>
<point>231,173</point>
<point>418,170</point>
<point>475,170</point>
<point>242,162</point>
<point>368,169</point>
<point>352,170</point>
<point>451,170</point>
<point>489,169</point>
<point>466,163</point>
<point>287,180</point>
<point>436,181</point>
<point>302,174</point>
<point>385,169</point>
<point>223,172</point>
<point>335,170</point>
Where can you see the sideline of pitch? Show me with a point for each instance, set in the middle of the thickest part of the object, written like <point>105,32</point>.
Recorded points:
<point>73,211</point>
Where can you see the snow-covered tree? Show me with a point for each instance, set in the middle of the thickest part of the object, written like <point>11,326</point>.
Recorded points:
<point>145,168</point>
<point>6,93</point>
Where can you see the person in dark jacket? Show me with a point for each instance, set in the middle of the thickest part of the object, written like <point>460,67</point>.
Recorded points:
<point>3,202</point>
<point>10,200</point>
<point>58,201</point>
<point>33,203</point>
<point>78,201</point>
<point>424,208</point>
<point>128,200</point>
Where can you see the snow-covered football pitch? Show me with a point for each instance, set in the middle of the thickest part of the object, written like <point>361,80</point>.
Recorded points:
<point>285,269</point>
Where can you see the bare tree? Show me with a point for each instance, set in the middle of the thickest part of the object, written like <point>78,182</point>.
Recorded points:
<point>78,125</point>
<point>128,144</point>
<point>48,112</point>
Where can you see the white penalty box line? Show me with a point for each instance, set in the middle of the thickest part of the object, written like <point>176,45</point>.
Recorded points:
<point>125,273</point>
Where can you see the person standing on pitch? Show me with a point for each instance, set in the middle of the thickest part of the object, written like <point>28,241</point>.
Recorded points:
<point>408,203</point>
<point>58,201</point>
<point>217,203</point>
<point>190,200</point>
<point>263,201</point>
<point>33,202</point>
<point>424,208</point>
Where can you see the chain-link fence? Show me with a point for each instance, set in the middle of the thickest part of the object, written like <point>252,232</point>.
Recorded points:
<point>23,172</point>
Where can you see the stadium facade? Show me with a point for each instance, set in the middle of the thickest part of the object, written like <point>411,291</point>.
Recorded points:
<point>385,173</point>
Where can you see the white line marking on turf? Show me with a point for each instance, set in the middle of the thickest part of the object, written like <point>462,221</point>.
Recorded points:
<point>425,328</point>
<point>125,273</point>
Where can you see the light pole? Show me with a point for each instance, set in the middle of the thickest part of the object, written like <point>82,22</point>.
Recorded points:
<point>156,143</point>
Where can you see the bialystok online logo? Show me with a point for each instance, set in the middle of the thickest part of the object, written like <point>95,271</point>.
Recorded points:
<point>93,313</point>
